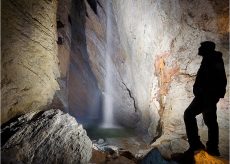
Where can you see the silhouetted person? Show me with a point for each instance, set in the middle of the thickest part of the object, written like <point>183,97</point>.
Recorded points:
<point>209,87</point>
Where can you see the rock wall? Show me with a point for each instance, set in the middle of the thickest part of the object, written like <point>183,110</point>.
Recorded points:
<point>63,42</point>
<point>84,95</point>
<point>81,55</point>
<point>161,40</point>
<point>125,111</point>
<point>29,56</point>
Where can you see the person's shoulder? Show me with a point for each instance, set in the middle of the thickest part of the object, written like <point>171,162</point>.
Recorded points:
<point>218,54</point>
<point>218,60</point>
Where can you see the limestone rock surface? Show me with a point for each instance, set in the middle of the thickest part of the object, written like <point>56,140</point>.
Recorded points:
<point>81,92</point>
<point>45,137</point>
<point>29,56</point>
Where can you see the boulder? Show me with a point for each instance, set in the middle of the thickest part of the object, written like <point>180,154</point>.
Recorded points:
<point>45,137</point>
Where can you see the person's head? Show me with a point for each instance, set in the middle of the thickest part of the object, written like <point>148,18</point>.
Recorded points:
<point>206,48</point>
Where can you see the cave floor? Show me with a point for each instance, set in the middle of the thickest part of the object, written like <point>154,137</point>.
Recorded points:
<point>123,138</point>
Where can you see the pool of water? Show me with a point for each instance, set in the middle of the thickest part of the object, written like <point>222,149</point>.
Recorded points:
<point>98,132</point>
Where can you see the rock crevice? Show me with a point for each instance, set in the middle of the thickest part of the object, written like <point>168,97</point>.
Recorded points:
<point>131,96</point>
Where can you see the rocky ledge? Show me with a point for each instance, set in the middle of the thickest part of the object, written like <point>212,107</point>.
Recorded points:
<point>45,137</point>
<point>103,152</point>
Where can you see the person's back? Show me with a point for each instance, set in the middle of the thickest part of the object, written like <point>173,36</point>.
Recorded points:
<point>211,78</point>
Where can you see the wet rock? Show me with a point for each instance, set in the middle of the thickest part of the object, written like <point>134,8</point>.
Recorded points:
<point>84,96</point>
<point>45,137</point>
<point>127,154</point>
<point>98,157</point>
<point>112,153</point>
<point>119,160</point>
<point>110,157</point>
<point>100,141</point>
<point>105,147</point>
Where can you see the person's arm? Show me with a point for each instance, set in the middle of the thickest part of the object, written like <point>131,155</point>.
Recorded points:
<point>222,79</point>
<point>198,87</point>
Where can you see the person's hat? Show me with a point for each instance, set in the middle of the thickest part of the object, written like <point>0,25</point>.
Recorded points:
<point>208,45</point>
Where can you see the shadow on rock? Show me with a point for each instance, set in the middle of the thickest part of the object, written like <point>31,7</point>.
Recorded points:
<point>181,158</point>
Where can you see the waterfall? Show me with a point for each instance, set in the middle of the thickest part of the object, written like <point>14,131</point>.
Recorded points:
<point>108,119</point>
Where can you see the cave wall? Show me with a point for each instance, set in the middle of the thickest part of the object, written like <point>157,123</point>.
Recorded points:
<point>154,61</point>
<point>82,63</point>
<point>29,56</point>
<point>162,39</point>
<point>63,53</point>
<point>125,111</point>
<point>79,92</point>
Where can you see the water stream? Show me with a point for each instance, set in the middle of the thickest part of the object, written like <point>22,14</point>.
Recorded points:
<point>108,118</point>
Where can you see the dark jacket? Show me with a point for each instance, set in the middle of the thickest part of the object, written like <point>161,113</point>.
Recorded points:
<point>211,78</point>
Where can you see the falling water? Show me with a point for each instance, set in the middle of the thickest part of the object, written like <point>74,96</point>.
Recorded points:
<point>108,119</point>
